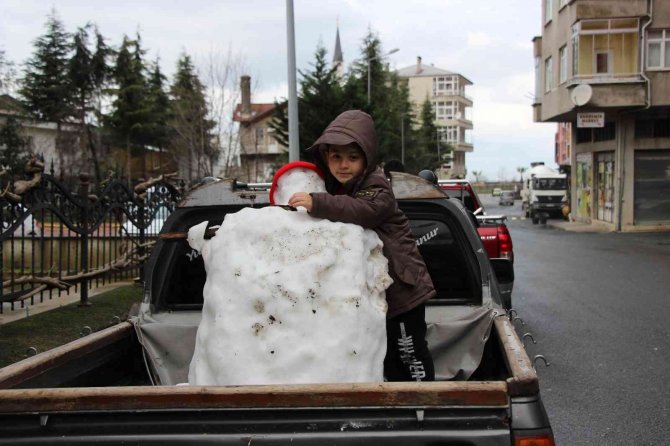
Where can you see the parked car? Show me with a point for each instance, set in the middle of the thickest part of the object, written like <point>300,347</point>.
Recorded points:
<point>492,229</point>
<point>506,198</point>
<point>496,191</point>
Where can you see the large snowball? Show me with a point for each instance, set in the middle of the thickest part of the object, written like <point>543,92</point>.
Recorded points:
<point>290,299</point>
<point>297,180</point>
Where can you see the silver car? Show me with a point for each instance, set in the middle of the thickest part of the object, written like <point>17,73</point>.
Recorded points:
<point>506,198</point>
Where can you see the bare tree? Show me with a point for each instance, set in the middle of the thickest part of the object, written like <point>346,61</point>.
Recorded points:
<point>521,170</point>
<point>7,75</point>
<point>479,175</point>
<point>502,175</point>
<point>221,73</point>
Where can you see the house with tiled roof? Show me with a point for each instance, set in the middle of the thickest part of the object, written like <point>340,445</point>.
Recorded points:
<point>260,153</point>
<point>452,106</point>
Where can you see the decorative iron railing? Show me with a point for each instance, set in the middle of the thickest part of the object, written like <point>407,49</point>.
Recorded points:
<point>55,241</point>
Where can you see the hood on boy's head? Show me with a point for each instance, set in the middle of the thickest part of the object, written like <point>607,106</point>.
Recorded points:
<point>352,126</point>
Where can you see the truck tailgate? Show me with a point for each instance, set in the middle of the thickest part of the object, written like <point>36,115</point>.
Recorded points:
<point>395,413</point>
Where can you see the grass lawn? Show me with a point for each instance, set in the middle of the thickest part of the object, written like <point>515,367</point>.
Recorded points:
<point>59,326</point>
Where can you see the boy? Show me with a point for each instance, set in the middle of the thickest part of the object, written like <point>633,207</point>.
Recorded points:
<point>359,193</point>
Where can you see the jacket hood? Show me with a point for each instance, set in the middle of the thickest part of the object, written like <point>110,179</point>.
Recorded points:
<point>353,126</point>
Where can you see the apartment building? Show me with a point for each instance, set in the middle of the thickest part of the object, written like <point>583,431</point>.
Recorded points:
<point>447,92</point>
<point>604,67</point>
<point>260,153</point>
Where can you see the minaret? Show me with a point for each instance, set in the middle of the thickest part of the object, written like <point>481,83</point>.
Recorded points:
<point>338,60</point>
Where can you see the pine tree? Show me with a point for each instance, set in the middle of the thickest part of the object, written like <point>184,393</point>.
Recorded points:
<point>320,100</point>
<point>159,111</point>
<point>389,98</point>
<point>82,89</point>
<point>191,130</point>
<point>129,117</point>
<point>46,86</point>
<point>424,154</point>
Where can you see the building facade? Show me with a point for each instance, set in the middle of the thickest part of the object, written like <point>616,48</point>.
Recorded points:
<point>447,92</point>
<point>604,67</point>
<point>260,153</point>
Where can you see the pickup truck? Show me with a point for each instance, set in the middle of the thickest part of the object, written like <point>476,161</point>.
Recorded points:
<point>120,385</point>
<point>492,229</point>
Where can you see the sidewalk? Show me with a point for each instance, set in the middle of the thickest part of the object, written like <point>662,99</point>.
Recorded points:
<point>574,226</point>
<point>8,315</point>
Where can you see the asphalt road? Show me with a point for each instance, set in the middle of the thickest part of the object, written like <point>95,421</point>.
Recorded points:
<point>598,306</point>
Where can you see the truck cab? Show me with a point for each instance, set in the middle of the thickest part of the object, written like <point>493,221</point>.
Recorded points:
<point>544,192</point>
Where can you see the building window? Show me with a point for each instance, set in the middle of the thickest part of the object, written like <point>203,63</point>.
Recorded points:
<point>605,49</point>
<point>658,49</point>
<point>548,10</point>
<point>259,133</point>
<point>444,85</point>
<point>652,128</point>
<point>575,54</point>
<point>445,109</point>
<point>449,134</point>
<point>538,80</point>
<point>563,64</point>
<point>588,135</point>
<point>602,62</point>
<point>548,74</point>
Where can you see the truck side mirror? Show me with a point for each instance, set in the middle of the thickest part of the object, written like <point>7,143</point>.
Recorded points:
<point>504,270</point>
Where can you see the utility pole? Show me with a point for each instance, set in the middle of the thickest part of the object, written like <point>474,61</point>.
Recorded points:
<point>293,130</point>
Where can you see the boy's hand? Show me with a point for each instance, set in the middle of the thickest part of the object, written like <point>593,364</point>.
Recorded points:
<point>301,199</point>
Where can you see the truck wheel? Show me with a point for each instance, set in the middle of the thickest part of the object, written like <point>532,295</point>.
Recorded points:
<point>535,219</point>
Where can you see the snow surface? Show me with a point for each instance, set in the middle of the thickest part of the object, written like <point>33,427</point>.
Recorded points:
<point>297,180</point>
<point>290,299</point>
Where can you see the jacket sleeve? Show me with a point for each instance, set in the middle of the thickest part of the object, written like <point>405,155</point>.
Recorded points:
<point>369,207</point>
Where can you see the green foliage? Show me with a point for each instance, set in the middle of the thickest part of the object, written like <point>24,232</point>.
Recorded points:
<point>13,146</point>
<point>129,118</point>
<point>159,108</point>
<point>61,325</point>
<point>191,130</point>
<point>46,84</point>
<point>320,99</point>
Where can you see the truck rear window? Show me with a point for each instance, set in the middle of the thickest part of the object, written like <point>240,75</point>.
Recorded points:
<point>452,272</point>
<point>446,258</point>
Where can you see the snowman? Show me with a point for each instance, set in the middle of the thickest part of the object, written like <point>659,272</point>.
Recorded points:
<point>290,298</point>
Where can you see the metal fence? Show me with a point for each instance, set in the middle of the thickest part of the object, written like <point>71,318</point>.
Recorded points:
<point>56,241</point>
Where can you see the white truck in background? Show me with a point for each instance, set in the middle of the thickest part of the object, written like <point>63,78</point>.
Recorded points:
<point>543,193</point>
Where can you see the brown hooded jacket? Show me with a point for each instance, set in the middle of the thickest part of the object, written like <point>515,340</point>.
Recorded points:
<point>369,202</point>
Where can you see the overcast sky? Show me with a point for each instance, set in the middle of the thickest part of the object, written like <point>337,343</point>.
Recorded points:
<point>489,42</point>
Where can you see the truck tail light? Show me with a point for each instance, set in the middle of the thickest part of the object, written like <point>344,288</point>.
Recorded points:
<point>535,440</point>
<point>505,243</point>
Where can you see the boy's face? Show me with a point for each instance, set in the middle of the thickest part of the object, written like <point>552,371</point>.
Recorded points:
<point>345,162</point>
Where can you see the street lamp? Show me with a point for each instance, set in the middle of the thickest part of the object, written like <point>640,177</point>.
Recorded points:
<point>394,50</point>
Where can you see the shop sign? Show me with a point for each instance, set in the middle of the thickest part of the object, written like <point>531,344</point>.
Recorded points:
<point>591,120</point>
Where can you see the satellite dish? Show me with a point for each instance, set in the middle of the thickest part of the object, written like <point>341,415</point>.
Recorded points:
<point>581,94</point>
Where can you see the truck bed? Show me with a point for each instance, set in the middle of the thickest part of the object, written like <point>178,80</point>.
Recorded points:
<point>350,413</point>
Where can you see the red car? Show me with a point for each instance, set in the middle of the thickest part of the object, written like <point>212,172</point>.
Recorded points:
<point>491,228</point>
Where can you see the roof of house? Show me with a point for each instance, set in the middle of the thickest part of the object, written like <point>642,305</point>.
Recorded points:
<point>258,112</point>
<point>10,105</point>
<point>427,70</point>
